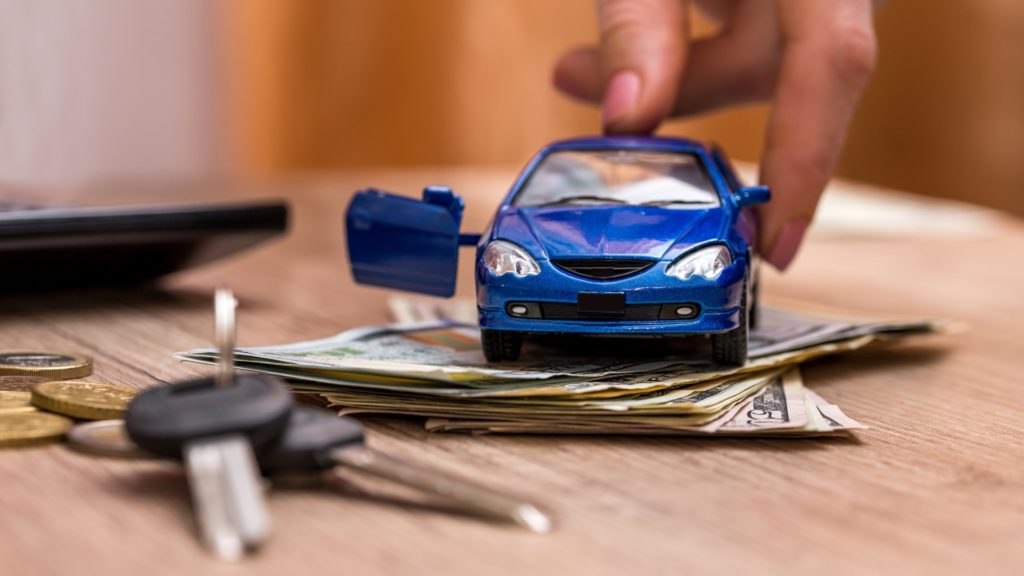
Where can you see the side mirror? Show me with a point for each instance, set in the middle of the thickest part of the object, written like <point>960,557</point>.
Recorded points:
<point>752,195</point>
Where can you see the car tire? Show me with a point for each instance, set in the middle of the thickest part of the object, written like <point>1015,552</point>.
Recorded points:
<point>730,348</point>
<point>755,305</point>
<point>501,345</point>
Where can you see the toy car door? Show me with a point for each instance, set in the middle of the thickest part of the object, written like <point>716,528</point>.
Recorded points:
<point>405,244</point>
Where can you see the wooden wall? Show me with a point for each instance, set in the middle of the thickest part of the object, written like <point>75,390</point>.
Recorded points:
<point>944,114</point>
<point>321,84</point>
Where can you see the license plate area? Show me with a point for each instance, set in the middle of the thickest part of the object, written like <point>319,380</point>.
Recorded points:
<point>601,303</point>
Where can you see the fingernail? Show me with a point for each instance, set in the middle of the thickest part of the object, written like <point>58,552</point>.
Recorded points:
<point>787,243</point>
<point>620,96</point>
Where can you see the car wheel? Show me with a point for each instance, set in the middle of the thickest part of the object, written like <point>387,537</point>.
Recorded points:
<point>730,348</point>
<point>501,345</point>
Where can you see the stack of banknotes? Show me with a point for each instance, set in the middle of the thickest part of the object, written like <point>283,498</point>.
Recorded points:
<point>429,364</point>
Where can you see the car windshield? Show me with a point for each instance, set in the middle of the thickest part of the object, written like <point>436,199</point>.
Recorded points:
<point>675,180</point>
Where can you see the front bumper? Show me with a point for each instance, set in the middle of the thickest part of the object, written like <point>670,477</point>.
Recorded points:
<point>718,301</point>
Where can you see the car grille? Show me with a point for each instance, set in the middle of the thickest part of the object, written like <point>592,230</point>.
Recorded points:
<point>627,313</point>
<point>604,269</point>
<point>569,311</point>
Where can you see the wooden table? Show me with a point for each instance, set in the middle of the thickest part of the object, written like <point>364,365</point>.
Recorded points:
<point>935,486</point>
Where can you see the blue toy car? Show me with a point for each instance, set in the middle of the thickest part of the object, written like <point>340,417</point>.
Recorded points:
<point>601,236</point>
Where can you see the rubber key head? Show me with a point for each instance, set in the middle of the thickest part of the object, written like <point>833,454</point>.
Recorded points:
<point>307,442</point>
<point>162,420</point>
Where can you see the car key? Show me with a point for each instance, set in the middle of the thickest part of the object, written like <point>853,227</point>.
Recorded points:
<point>214,425</point>
<point>316,439</point>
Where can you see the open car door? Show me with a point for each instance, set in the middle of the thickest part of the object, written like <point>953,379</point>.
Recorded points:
<point>405,244</point>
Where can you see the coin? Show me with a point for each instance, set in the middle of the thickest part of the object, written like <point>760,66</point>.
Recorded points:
<point>15,401</point>
<point>49,364</point>
<point>30,428</point>
<point>86,400</point>
<point>104,438</point>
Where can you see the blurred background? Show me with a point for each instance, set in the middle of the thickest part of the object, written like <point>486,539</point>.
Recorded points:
<point>193,89</point>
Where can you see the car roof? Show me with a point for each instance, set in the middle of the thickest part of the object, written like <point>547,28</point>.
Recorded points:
<point>627,142</point>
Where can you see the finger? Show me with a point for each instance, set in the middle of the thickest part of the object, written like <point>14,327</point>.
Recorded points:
<point>642,52</point>
<point>829,53</point>
<point>578,74</point>
<point>737,66</point>
<point>717,10</point>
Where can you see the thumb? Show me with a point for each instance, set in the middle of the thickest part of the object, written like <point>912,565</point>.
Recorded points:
<point>642,53</point>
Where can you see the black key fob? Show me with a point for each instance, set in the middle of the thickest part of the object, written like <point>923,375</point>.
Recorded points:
<point>162,420</point>
<point>306,444</point>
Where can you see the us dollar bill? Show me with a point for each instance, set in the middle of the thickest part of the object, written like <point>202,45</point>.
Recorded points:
<point>448,353</point>
<point>784,407</point>
<point>780,404</point>
<point>433,367</point>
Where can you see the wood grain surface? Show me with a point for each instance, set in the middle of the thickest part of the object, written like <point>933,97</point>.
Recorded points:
<point>935,486</point>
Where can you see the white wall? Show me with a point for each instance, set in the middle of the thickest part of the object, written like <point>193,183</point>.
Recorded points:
<point>93,90</point>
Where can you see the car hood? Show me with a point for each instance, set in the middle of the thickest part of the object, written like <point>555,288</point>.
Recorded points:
<point>599,231</point>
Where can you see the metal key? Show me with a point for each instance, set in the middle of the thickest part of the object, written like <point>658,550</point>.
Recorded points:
<point>216,426</point>
<point>316,439</point>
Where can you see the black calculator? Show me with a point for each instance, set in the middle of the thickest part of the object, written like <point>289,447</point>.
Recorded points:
<point>71,248</point>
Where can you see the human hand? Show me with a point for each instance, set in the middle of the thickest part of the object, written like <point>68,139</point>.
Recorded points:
<point>810,58</point>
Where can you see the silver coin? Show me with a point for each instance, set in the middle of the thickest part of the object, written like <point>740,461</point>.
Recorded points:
<point>36,359</point>
<point>104,438</point>
<point>51,364</point>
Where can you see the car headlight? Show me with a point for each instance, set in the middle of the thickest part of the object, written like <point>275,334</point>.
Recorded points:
<point>707,262</point>
<point>502,257</point>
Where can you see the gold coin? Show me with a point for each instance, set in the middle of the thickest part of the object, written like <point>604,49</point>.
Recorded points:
<point>85,400</point>
<point>48,364</point>
<point>15,401</point>
<point>104,438</point>
<point>30,428</point>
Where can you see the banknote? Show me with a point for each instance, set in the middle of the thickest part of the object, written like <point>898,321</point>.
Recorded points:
<point>710,398</point>
<point>784,407</point>
<point>317,380</point>
<point>430,365</point>
<point>447,352</point>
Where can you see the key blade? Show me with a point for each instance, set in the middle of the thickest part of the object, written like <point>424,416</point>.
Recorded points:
<point>227,494</point>
<point>244,489</point>
<point>470,497</point>
<point>205,469</point>
<point>224,307</point>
